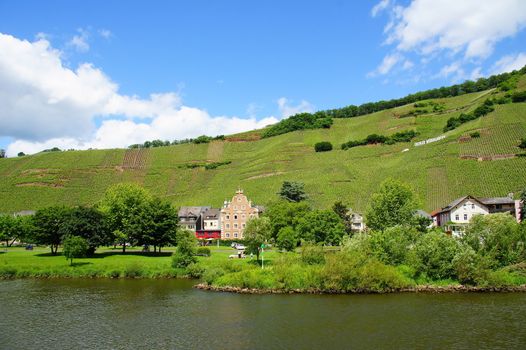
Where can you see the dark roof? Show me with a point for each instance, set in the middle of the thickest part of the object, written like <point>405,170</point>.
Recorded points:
<point>497,200</point>
<point>192,211</point>
<point>211,213</point>
<point>422,213</point>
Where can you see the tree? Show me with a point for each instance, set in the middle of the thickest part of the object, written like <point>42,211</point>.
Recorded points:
<point>392,245</point>
<point>47,224</point>
<point>159,224</point>
<point>321,226</point>
<point>393,205</point>
<point>287,239</point>
<point>21,154</point>
<point>283,214</point>
<point>88,223</point>
<point>7,225</point>
<point>124,205</point>
<point>343,212</point>
<point>323,146</point>
<point>523,203</point>
<point>432,255</point>
<point>2,153</point>
<point>186,249</point>
<point>74,247</point>
<point>293,191</point>
<point>14,227</point>
<point>257,232</point>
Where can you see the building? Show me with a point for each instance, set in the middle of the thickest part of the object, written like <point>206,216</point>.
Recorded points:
<point>357,221</point>
<point>190,217</point>
<point>457,214</point>
<point>235,214</point>
<point>210,224</point>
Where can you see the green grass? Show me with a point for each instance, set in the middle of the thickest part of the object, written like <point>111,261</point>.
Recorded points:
<point>436,171</point>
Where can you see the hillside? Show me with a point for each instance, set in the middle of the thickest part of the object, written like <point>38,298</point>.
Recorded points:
<point>439,171</point>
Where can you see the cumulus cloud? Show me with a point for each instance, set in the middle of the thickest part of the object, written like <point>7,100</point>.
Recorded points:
<point>387,64</point>
<point>45,104</point>
<point>509,63</point>
<point>467,30</point>
<point>287,109</point>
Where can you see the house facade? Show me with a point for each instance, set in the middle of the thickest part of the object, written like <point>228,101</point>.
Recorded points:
<point>210,227</point>
<point>456,215</point>
<point>357,221</point>
<point>235,214</point>
<point>190,217</point>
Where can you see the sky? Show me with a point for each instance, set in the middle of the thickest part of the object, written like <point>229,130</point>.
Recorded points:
<point>106,74</point>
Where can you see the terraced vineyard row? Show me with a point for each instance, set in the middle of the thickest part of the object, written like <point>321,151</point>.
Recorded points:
<point>499,140</point>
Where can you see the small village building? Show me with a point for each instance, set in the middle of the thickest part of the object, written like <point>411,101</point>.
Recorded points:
<point>357,222</point>
<point>235,214</point>
<point>210,226</point>
<point>190,217</point>
<point>456,215</point>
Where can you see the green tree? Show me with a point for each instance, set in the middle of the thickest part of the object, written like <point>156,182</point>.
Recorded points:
<point>497,237</point>
<point>186,249</point>
<point>88,223</point>
<point>74,247</point>
<point>21,154</point>
<point>283,214</point>
<point>257,232</point>
<point>393,205</point>
<point>125,205</point>
<point>293,191</point>
<point>343,212</point>
<point>392,245</point>
<point>432,255</point>
<point>47,224</point>
<point>7,228</point>
<point>287,239</point>
<point>159,224</point>
<point>321,226</point>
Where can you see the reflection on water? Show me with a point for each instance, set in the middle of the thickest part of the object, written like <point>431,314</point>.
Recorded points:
<point>169,314</point>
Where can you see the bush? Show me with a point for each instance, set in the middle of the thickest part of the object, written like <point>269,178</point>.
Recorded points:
<point>195,270</point>
<point>133,270</point>
<point>523,143</point>
<point>312,254</point>
<point>392,245</point>
<point>75,247</point>
<point>475,134</point>
<point>212,274</point>
<point>203,251</point>
<point>432,255</point>
<point>186,249</point>
<point>287,239</point>
<point>323,146</point>
<point>518,97</point>
<point>468,266</point>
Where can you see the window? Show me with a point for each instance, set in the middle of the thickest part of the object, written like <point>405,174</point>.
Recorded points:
<point>243,207</point>
<point>499,206</point>
<point>243,225</point>
<point>235,225</point>
<point>472,206</point>
<point>227,225</point>
<point>465,216</point>
<point>235,217</point>
<point>228,217</point>
<point>235,207</point>
<point>239,199</point>
<point>227,235</point>
<point>243,216</point>
<point>457,217</point>
<point>235,234</point>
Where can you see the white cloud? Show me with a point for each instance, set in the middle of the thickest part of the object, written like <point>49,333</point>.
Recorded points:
<point>286,109</point>
<point>387,64</point>
<point>45,104</point>
<point>381,6</point>
<point>509,63</point>
<point>80,41</point>
<point>105,33</point>
<point>468,26</point>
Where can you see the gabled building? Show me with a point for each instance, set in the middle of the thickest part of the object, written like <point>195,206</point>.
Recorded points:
<point>457,214</point>
<point>235,214</point>
<point>210,227</point>
<point>190,217</point>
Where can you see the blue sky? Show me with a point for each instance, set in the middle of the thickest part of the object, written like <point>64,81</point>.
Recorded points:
<point>81,75</point>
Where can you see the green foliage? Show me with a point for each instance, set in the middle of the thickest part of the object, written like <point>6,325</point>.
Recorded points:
<point>523,143</point>
<point>47,224</point>
<point>186,249</point>
<point>74,247</point>
<point>480,111</point>
<point>257,232</point>
<point>157,224</point>
<point>474,134</point>
<point>293,191</point>
<point>287,239</point>
<point>469,267</point>
<point>392,245</point>
<point>21,154</point>
<point>203,251</point>
<point>498,238</point>
<point>323,146</point>
<point>517,97</point>
<point>312,254</point>
<point>402,136</point>
<point>283,214</point>
<point>299,121</point>
<point>87,223</point>
<point>321,226</point>
<point>393,205</point>
<point>432,255</point>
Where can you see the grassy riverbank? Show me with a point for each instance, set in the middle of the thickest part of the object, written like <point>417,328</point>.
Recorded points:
<point>305,271</point>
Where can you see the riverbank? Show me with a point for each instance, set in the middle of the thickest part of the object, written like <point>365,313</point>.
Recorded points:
<point>416,289</point>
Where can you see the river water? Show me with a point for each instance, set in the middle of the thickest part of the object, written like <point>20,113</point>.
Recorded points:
<point>169,314</point>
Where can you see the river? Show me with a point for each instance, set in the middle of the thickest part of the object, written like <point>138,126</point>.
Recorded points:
<point>170,314</point>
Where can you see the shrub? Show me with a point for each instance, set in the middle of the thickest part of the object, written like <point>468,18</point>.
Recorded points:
<point>468,266</point>
<point>186,249</point>
<point>323,146</point>
<point>195,270</point>
<point>203,251</point>
<point>392,245</point>
<point>75,247</point>
<point>133,270</point>
<point>475,134</point>
<point>523,143</point>
<point>432,255</point>
<point>312,254</point>
<point>287,239</point>
<point>212,274</point>
<point>518,97</point>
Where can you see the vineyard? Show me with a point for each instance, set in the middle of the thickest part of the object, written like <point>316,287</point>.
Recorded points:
<point>439,171</point>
